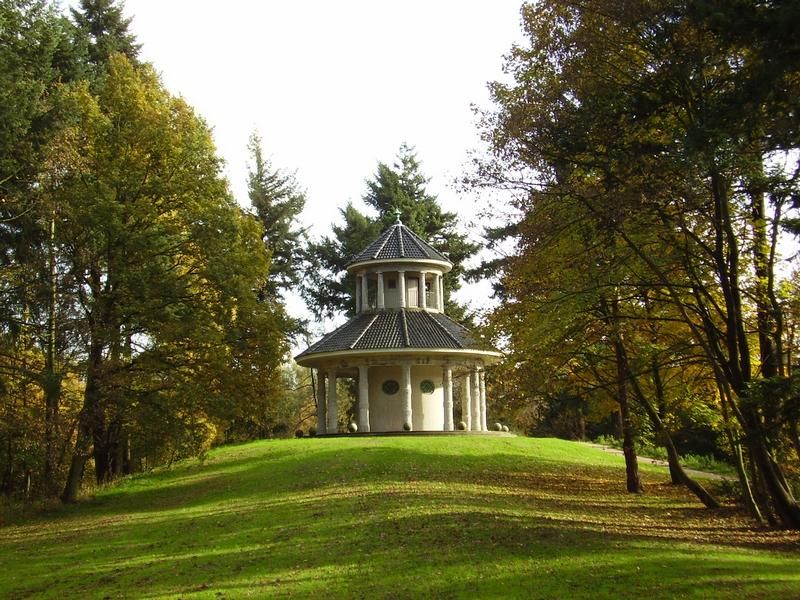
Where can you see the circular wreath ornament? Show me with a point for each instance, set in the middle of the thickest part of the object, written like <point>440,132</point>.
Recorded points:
<point>427,386</point>
<point>390,387</point>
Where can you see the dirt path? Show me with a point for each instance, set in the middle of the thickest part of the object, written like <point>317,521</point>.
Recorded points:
<point>660,463</point>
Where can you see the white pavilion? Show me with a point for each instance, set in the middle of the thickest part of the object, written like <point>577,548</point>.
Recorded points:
<point>406,354</point>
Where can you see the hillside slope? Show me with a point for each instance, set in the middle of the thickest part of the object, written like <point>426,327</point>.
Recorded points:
<point>402,517</point>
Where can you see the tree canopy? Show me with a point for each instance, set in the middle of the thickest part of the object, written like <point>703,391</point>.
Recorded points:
<point>654,147</point>
<point>133,331</point>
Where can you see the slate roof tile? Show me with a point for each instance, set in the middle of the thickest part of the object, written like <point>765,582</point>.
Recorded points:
<point>392,329</point>
<point>399,242</point>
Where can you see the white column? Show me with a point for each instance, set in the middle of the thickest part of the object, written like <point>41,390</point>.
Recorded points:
<point>363,399</point>
<point>466,403</point>
<point>482,374</point>
<point>447,390</point>
<point>364,289</point>
<point>401,287</point>
<point>441,293</point>
<point>358,294</point>
<point>435,290</point>
<point>321,426</point>
<point>475,393</point>
<point>423,300</point>
<point>405,388</point>
<point>333,417</point>
<point>381,300</point>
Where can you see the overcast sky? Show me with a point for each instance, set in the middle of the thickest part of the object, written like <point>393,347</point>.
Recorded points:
<point>334,87</point>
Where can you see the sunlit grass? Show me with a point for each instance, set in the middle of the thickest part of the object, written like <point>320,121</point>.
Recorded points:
<point>443,517</point>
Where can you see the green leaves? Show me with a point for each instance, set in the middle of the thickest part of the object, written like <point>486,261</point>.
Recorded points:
<point>647,135</point>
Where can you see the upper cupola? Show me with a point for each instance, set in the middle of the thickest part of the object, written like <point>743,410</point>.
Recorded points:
<point>398,244</point>
<point>399,270</point>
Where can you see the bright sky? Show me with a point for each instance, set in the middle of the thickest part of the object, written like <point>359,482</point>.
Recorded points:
<point>334,87</point>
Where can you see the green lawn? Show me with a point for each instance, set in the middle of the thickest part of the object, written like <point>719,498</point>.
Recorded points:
<point>401,517</point>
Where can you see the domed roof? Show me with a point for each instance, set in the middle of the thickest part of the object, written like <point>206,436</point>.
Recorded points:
<point>396,329</point>
<point>398,242</point>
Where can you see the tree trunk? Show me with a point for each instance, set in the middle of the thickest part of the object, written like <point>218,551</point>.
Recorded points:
<point>760,493</point>
<point>616,422</point>
<point>786,507</point>
<point>683,478</point>
<point>86,424</point>
<point>7,485</point>
<point>101,450</point>
<point>741,471</point>
<point>633,482</point>
<point>676,473</point>
<point>51,379</point>
<point>675,468</point>
<point>80,455</point>
<point>794,436</point>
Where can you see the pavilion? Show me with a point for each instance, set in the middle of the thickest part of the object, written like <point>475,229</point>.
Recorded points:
<point>406,354</point>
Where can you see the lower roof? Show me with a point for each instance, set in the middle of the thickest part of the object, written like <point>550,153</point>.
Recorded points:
<point>404,328</point>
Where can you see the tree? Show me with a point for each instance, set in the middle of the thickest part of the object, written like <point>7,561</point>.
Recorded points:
<point>277,201</point>
<point>164,266</point>
<point>102,27</point>
<point>646,119</point>
<point>395,190</point>
<point>37,54</point>
<point>131,331</point>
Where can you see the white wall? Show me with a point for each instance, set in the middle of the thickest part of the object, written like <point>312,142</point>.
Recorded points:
<point>386,412</point>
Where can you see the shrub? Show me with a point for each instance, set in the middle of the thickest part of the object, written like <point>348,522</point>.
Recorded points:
<point>462,426</point>
<point>299,433</point>
<point>352,427</point>
<point>608,440</point>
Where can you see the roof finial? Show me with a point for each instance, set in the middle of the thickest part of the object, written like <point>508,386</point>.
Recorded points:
<point>397,214</point>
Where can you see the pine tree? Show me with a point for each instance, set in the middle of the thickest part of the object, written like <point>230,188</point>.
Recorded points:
<point>399,189</point>
<point>104,29</point>
<point>277,201</point>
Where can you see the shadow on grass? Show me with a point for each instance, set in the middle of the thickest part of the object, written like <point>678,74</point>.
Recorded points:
<point>393,520</point>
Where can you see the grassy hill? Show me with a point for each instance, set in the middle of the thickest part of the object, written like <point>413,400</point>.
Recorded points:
<point>402,517</point>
